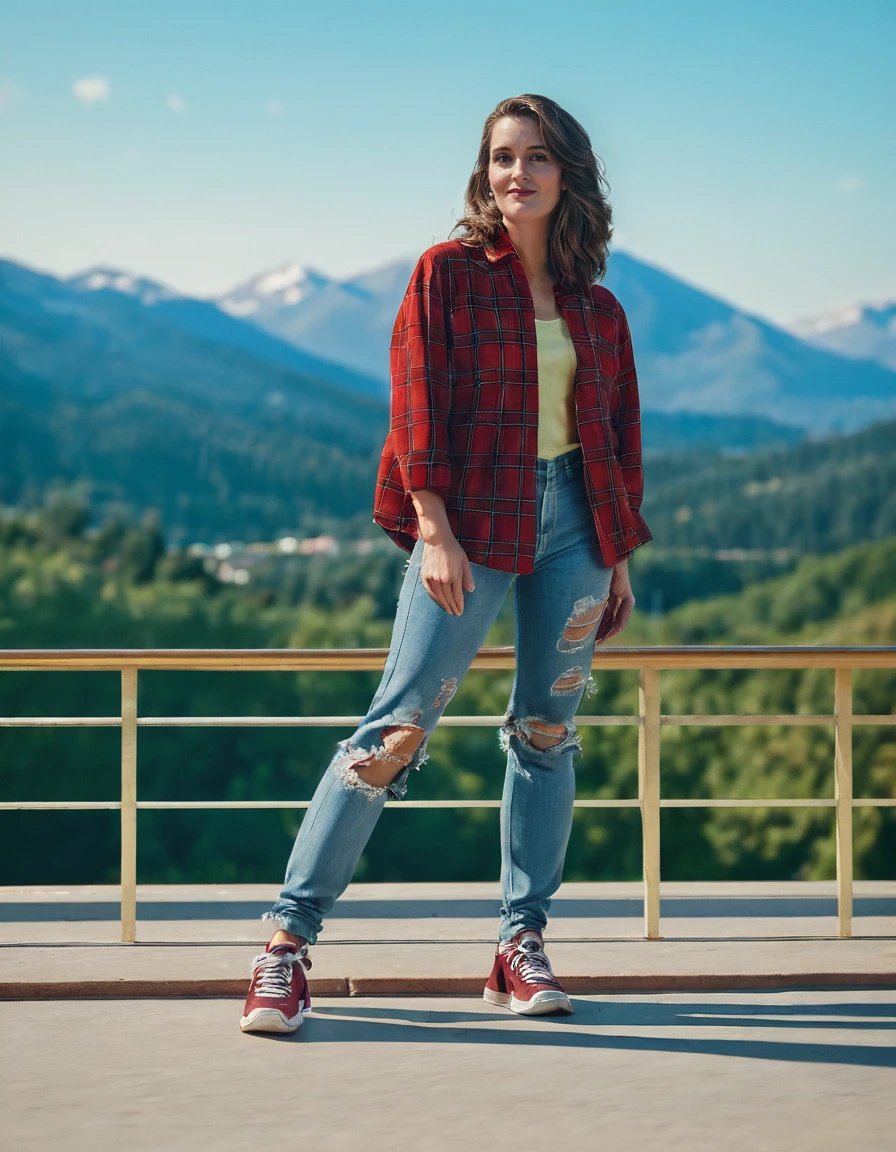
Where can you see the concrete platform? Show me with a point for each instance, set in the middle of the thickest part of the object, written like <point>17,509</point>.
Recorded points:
<point>696,1072</point>
<point>432,939</point>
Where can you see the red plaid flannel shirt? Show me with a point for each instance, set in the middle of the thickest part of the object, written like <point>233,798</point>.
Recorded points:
<point>464,407</point>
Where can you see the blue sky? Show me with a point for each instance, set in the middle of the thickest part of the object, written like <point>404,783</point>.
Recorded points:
<point>749,147</point>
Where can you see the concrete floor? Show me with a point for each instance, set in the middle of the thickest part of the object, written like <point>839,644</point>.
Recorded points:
<point>707,1071</point>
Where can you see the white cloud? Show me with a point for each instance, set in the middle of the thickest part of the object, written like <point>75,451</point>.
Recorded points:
<point>175,103</point>
<point>852,182</point>
<point>10,93</point>
<point>90,89</point>
<point>274,107</point>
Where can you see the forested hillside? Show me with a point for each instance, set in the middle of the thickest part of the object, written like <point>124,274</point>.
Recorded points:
<point>62,586</point>
<point>296,456</point>
<point>812,496</point>
<point>721,522</point>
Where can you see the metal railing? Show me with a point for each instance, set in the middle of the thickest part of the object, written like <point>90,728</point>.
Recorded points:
<point>649,662</point>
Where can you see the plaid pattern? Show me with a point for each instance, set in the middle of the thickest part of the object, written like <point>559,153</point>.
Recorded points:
<point>464,407</point>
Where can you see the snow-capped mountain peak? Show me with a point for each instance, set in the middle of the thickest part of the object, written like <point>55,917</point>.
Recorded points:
<point>860,331</point>
<point>828,321</point>
<point>289,278</point>
<point>102,277</point>
<point>283,287</point>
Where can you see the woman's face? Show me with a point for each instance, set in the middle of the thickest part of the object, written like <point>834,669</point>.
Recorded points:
<point>524,176</point>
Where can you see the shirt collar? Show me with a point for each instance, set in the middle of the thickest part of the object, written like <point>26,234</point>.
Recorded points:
<point>503,246</point>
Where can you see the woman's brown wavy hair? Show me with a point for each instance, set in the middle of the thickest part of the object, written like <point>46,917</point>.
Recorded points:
<point>581,228</point>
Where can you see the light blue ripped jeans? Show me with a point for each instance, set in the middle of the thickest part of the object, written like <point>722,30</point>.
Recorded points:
<point>558,608</point>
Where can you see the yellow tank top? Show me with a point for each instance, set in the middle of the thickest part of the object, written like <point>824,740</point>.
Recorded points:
<point>557,426</point>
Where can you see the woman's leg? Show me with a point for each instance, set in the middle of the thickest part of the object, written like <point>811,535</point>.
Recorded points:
<point>558,608</point>
<point>430,653</point>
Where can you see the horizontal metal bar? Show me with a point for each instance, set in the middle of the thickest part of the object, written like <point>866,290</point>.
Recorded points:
<point>503,658</point>
<point>60,721</point>
<point>743,720</point>
<point>350,721</point>
<point>390,803</point>
<point>275,721</point>
<point>776,803</point>
<point>693,720</point>
<point>50,805</point>
<point>63,805</point>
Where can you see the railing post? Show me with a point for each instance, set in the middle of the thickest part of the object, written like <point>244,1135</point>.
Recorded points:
<point>843,796</point>
<point>128,805</point>
<point>649,794</point>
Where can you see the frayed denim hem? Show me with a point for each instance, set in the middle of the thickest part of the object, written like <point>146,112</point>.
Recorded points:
<point>293,924</point>
<point>509,929</point>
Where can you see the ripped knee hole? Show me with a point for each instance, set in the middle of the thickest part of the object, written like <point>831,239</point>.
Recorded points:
<point>583,620</point>
<point>568,682</point>
<point>379,766</point>
<point>539,734</point>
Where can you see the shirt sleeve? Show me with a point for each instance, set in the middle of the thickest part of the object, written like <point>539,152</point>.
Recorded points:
<point>628,417</point>
<point>420,385</point>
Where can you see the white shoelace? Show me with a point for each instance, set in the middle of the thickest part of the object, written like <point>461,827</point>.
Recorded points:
<point>531,964</point>
<point>275,972</point>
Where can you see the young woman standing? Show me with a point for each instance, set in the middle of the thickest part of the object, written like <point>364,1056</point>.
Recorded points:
<point>513,456</point>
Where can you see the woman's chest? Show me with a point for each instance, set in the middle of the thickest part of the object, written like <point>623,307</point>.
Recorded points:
<point>494,343</point>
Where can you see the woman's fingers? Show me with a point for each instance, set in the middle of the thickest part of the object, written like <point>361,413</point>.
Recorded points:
<point>444,573</point>
<point>622,610</point>
<point>439,592</point>
<point>457,591</point>
<point>606,621</point>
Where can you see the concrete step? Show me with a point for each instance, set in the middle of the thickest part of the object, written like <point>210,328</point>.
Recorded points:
<point>438,939</point>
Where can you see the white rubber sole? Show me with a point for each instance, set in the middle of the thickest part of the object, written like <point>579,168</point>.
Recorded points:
<point>269,1020</point>
<point>542,1003</point>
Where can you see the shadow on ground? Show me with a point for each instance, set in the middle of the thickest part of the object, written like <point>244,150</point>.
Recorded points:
<point>589,1028</point>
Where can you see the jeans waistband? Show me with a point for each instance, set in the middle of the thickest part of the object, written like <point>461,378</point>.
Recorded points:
<point>567,463</point>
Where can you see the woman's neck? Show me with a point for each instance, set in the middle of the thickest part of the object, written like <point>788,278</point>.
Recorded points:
<point>531,244</point>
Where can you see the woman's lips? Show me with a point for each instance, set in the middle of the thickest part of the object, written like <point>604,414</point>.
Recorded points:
<point>522,192</point>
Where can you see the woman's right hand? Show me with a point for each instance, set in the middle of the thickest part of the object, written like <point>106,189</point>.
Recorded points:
<point>445,574</point>
<point>444,567</point>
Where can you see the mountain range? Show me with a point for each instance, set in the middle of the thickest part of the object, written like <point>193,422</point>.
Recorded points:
<point>694,352</point>
<point>265,410</point>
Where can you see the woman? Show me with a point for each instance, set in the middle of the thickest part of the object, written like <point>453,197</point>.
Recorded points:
<point>514,450</point>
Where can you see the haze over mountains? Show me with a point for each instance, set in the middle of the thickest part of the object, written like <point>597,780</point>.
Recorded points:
<point>221,435</point>
<point>694,352</point>
<point>206,320</point>
<point>265,410</point>
<point>864,332</point>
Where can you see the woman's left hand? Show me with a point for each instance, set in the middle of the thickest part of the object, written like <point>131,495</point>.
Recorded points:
<point>620,602</point>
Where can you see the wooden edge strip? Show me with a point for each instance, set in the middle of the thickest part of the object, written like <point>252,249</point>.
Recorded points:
<point>436,985</point>
<point>146,989</point>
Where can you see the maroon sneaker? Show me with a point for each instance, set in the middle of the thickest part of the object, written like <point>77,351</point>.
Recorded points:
<point>278,992</point>
<point>522,979</point>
